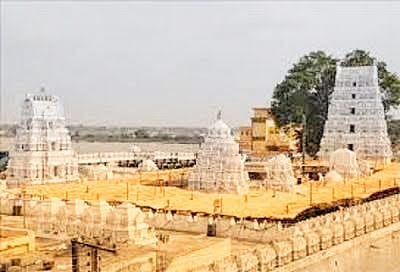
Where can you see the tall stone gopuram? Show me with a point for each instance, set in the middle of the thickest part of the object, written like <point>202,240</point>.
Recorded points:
<point>42,152</point>
<point>356,118</point>
<point>219,166</point>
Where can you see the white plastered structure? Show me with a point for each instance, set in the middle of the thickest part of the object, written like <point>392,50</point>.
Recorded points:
<point>55,219</point>
<point>219,166</point>
<point>148,166</point>
<point>345,163</point>
<point>279,173</point>
<point>356,118</point>
<point>43,151</point>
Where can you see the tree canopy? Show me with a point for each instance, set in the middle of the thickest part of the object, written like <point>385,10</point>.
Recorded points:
<point>308,84</point>
<point>394,134</point>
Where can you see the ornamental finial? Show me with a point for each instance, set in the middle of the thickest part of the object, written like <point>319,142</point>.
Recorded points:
<point>219,115</point>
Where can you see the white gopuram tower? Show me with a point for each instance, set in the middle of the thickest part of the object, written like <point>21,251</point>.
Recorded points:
<point>356,118</point>
<point>219,166</point>
<point>42,151</point>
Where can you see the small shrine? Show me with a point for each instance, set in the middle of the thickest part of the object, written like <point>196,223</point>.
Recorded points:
<point>220,167</point>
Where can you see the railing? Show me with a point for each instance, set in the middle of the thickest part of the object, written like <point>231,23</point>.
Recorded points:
<point>128,156</point>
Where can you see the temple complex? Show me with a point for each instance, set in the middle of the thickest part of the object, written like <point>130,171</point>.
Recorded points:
<point>126,180</point>
<point>42,151</point>
<point>219,167</point>
<point>356,118</point>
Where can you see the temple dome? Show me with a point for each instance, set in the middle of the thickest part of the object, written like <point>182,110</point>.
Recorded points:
<point>219,129</point>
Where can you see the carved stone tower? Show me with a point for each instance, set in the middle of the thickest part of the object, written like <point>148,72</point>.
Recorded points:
<point>42,151</point>
<point>219,167</point>
<point>356,118</point>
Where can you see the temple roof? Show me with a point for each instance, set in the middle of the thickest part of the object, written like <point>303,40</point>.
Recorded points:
<point>219,129</point>
<point>356,73</point>
<point>42,105</point>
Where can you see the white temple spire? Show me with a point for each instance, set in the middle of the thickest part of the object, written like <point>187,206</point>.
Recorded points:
<point>356,118</point>
<point>43,151</point>
<point>219,166</point>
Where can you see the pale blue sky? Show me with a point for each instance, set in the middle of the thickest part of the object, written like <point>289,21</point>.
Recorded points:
<point>176,63</point>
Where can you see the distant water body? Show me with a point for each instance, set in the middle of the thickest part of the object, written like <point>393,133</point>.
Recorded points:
<point>88,147</point>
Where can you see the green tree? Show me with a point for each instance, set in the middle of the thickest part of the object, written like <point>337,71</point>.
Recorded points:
<point>305,90</point>
<point>394,134</point>
<point>308,84</point>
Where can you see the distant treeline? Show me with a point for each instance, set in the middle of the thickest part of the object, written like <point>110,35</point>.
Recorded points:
<point>168,135</point>
<point>127,138</point>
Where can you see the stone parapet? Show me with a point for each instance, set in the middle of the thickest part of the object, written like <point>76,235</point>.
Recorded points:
<point>285,247</point>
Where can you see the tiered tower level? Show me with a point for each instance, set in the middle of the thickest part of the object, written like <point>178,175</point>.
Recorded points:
<point>219,166</point>
<point>42,151</point>
<point>356,118</point>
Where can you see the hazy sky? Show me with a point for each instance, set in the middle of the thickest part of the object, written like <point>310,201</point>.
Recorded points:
<point>176,63</point>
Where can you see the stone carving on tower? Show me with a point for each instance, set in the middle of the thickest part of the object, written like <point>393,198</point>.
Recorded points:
<point>43,151</point>
<point>219,166</point>
<point>356,118</point>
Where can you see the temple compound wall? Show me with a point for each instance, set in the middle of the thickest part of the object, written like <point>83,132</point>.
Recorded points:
<point>356,118</point>
<point>314,242</point>
<point>219,166</point>
<point>43,151</point>
<point>318,242</point>
<point>56,219</point>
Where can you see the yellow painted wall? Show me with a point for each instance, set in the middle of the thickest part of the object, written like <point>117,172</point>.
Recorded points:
<point>258,129</point>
